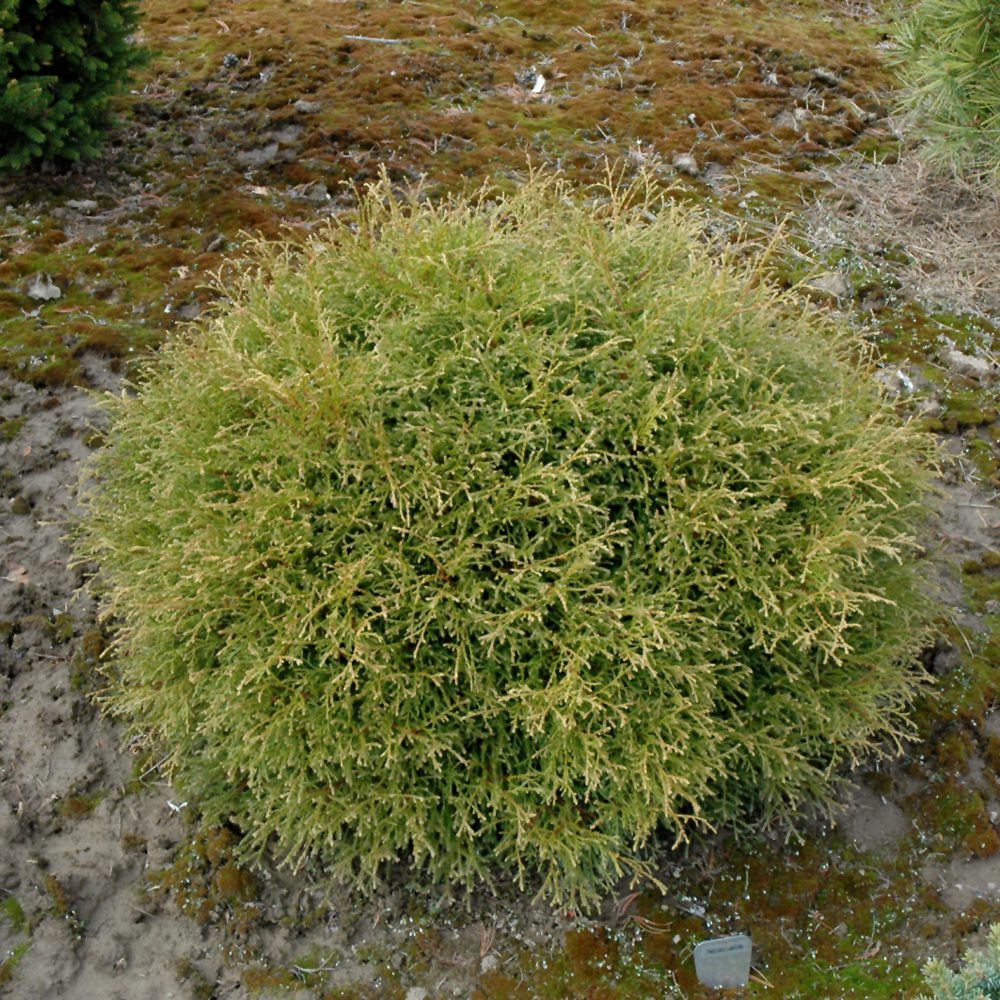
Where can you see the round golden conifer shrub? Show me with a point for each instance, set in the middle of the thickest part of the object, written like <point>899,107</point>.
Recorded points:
<point>499,535</point>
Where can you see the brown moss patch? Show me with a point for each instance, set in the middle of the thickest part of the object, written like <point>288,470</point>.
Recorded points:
<point>245,121</point>
<point>208,884</point>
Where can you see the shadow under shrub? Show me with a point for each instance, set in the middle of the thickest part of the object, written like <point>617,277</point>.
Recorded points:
<point>496,536</point>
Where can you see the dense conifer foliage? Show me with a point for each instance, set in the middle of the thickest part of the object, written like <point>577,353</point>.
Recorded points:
<point>502,534</point>
<point>60,63</point>
<point>950,57</point>
<point>978,978</point>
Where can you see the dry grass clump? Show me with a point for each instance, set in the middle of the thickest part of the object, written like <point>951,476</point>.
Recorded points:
<point>948,226</point>
<point>502,534</point>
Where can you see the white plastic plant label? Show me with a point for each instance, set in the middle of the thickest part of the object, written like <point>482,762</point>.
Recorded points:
<point>723,963</point>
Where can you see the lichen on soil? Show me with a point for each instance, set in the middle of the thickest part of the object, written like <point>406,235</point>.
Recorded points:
<point>255,117</point>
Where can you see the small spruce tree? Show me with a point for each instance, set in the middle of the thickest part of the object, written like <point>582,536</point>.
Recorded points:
<point>60,63</point>
<point>949,54</point>
<point>978,979</point>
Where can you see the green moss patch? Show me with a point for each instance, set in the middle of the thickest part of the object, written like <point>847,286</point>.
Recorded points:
<point>826,920</point>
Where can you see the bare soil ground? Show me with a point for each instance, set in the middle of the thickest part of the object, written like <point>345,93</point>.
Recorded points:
<point>108,888</point>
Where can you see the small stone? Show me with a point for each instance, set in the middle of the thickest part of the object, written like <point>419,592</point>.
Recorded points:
<point>714,173</point>
<point>216,244</point>
<point>416,993</point>
<point>786,119</point>
<point>258,157</point>
<point>993,607</point>
<point>967,364</point>
<point>685,163</point>
<point>489,963</point>
<point>308,107</point>
<point>831,285</point>
<point>896,381</point>
<point>230,60</point>
<point>19,506</point>
<point>930,407</point>
<point>190,310</point>
<point>287,134</point>
<point>82,205</point>
<point>43,289</point>
<point>826,76</point>
<point>316,193</point>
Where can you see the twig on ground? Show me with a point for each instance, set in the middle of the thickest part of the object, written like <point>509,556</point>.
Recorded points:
<point>378,41</point>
